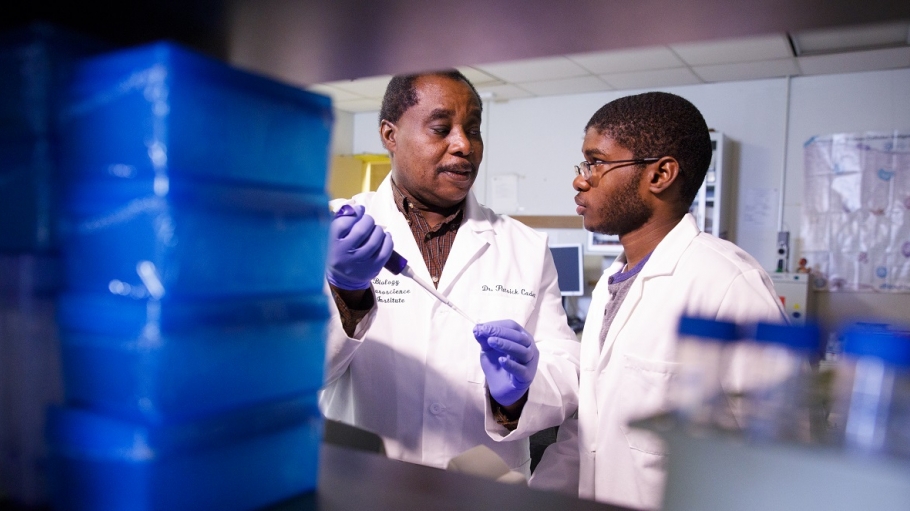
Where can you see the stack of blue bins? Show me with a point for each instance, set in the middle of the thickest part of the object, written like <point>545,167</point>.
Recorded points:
<point>34,61</point>
<point>193,321</point>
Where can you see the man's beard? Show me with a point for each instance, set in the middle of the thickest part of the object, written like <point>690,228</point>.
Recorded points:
<point>627,212</point>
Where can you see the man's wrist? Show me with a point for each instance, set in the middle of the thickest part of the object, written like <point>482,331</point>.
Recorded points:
<point>508,416</point>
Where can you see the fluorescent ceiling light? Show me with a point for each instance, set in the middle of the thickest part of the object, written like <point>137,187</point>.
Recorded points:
<point>864,37</point>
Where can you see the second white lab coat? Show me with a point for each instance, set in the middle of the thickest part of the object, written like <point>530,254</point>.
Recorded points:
<point>689,272</point>
<point>411,372</point>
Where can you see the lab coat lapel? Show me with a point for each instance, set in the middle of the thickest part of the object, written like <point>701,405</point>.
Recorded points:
<point>662,263</point>
<point>386,214</point>
<point>470,242</point>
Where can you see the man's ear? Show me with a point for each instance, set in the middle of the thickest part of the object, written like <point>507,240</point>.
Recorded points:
<point>663,175</point>
<point>387,133</point>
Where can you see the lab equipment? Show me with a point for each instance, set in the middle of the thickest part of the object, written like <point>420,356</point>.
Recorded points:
<point>703,353</point>
<point>196,240</point>
<point>193,317</point>
<point>398,265</point>
<point>161,111</point>
<point>795,295</point>
<point>872,392</point>
<point>179,361</point>
<point>243,459</point>
<point>569,262</point>
<point>780,402</point>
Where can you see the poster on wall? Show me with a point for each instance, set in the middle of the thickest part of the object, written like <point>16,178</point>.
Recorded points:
<point>856,211</point>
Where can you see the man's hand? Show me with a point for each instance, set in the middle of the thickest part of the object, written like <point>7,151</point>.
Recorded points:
<point>508,358</point>
<point>357,249</point>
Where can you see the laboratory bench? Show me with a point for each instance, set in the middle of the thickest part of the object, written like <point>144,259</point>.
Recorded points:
<point>357,480</point>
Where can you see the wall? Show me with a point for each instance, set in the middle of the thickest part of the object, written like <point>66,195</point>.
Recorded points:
<point>539,139</point>
<point>874,101</point>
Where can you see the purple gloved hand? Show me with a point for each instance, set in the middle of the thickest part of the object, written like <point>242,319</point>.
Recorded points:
<point>357,249</point>
<point>508,358</point>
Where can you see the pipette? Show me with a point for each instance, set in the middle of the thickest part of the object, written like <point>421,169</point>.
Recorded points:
<point>398,265</point>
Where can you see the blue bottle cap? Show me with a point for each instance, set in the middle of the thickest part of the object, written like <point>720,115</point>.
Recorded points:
<point>797,337</point>
<point>707,328</point>
<point>889,346</point>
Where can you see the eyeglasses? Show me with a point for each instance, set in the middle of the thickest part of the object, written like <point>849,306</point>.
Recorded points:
<point>583,169</point>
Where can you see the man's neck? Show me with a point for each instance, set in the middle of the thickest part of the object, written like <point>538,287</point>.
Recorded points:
<point>644,240</point>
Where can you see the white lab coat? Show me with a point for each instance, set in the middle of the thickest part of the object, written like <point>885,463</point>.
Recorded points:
<point>411,373</point>
<point>688,273</point>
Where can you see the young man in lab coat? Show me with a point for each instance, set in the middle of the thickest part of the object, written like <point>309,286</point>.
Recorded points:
<point>402,364</point>
<point>645,159</point>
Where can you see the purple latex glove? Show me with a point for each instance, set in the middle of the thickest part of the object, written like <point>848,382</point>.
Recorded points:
<point>508,358</point>
<point>357,249</point>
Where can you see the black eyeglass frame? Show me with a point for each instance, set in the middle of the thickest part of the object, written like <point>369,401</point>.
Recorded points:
<point>583,169</point>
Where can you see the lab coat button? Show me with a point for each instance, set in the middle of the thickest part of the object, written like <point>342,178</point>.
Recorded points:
<point>437,408</point>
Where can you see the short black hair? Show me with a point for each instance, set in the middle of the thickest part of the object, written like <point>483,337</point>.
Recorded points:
<point>656,124</point>
<point>401,93</point>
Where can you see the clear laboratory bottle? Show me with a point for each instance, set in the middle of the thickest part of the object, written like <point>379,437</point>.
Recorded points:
<point>872,392</point>
<point>696,395</point>
<point>779,390</point>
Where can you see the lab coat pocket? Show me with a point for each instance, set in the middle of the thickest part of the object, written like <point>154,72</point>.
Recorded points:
<point>475,372</point>
<point>642,393</point>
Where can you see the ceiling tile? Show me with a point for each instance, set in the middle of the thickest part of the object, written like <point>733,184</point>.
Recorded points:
<point>334,92</point>
<point>851,38</point>
<point>359,105</point>
<point>372,87</point>
<point>504,92</point>
<point>578,85</point>
<point>651,79</point>
<point>478,77</point>
<point>534,70</point>
<point>889,58</point>
<point>658,57</point>
<point>748,70</point>
<point>769,47</point>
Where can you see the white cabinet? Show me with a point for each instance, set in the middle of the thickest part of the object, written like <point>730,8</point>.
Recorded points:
<point>711,206</point>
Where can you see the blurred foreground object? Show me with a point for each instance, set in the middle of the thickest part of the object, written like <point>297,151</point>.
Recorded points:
<point>34,62</point>
<point>192,319</point>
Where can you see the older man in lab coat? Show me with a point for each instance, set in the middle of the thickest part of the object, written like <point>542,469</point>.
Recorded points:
<point>402,364</point>
<point>645,159</point>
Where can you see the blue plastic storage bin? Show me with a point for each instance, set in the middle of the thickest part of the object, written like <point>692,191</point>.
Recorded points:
<point>244,460</point>
<point>162,110</point>
<point>155,370</point>
<point>35,62</point>
<point>28,201</point>
<point>199,240</point>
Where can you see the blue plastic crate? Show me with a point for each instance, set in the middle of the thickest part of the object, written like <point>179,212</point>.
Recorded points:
<point>244,460</point>
<point>28,195</point>
<point>162,110</point>
<point>130,314</point>
<point>163,366</point>
<point>193,239</point>
<point>35,62</point>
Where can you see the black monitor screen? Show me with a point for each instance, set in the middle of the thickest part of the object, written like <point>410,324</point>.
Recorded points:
<point>570,267</point>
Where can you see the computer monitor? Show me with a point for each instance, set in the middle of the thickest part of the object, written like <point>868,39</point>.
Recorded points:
<point>570,268</point>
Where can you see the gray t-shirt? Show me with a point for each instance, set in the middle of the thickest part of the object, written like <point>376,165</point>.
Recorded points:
<point>618,285</point>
